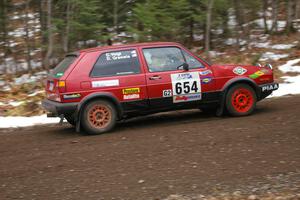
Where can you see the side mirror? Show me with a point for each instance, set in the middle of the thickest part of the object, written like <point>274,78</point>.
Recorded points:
<point>184,66</point>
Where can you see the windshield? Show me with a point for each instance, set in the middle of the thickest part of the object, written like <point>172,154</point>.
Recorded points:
<point>60,69</point>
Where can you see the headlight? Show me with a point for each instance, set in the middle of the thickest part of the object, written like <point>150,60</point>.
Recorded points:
<point>269,66</point>
<point>258,65</point>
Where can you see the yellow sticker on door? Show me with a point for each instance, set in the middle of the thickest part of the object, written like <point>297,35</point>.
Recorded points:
<point>131,91</point>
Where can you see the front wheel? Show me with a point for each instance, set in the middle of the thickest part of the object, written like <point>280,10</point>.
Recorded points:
<point>98,117</point>
<point>240,100</point>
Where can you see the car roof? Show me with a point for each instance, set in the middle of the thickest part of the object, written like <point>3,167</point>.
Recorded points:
<point>129,46</point>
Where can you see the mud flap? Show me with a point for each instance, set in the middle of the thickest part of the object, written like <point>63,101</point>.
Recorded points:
<point>220,110</point>
<point>78,121</point>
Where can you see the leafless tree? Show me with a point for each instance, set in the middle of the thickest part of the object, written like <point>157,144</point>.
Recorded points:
<point>50,35</point>
<point>274,15</point>
<point>27,39</point>
<point>208,25</point>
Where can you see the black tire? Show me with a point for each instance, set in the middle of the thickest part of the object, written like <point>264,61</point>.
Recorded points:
<point>240,100</point>
<point>98,117</point>
<point>70,119</point>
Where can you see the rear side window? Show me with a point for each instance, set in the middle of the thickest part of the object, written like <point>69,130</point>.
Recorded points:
<point>60,69</point>
<point>116,63</point>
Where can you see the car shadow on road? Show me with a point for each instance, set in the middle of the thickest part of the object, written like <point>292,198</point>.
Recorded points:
<point>162,119</point>
<point>167,118</point>
<point>181,117</point>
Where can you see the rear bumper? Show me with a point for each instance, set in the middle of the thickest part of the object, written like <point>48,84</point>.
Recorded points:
<point>57,108</point>
<point>267,89</point>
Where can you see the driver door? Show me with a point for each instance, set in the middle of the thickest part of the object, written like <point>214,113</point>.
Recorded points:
<point>167,83</point>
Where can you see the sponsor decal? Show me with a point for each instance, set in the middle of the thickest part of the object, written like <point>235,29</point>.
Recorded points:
<point>186,98</point>
<point>256,74</point>
<point>133,53</point>
<point>206,80</point>
<point>131,96</point>
<point>167,93</point>
<point>71,96</point>
<point>206,72</point>
<point>117,56</point>
<point>270,87</point>
<point>131,91</point>
<point>59,74</point>
<point>239,70</point>
<point>181,76</point>
<point>108,83</point>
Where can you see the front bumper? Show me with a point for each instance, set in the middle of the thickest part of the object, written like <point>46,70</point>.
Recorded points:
<point>267,89</point>
<point>57,108</point>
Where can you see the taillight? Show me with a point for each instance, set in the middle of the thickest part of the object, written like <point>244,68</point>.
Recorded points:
<point>61,85</point>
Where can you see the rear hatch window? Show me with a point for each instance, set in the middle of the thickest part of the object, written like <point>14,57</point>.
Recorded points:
<point>60,69</point>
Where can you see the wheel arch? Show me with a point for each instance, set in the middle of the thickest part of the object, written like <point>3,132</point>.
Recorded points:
<point>230,84</point>
<point>97,96</point>
<point>243,80</point>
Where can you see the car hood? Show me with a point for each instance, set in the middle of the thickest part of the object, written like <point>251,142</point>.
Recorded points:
<point>236,69</point>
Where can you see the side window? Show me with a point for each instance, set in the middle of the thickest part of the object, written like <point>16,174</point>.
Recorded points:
<point>116,63</point>
<point>163,59</point>
<point>191,61</point>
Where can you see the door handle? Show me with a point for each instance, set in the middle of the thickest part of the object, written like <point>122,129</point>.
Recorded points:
<point>156,77</point>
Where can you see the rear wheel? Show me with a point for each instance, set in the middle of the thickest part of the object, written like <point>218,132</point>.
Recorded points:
<point>98,117</point>
<point>240,100</point>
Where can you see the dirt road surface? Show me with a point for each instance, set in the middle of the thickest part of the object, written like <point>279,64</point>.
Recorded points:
<point>182,152</point>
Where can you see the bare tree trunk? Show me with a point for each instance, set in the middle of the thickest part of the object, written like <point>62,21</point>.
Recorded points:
<point>274,15</point>
<point>50,34</point>
<point>67,31</point>
<point>208,25</point>
<point>297,14</point>
<point>191,39</point>
<point>289,20</point>
<point>43,23</point>
<point>240,17</point>
<point>3,7</point>
<point>115,16</point>
<point>27,37</point>
<point>265,8</point>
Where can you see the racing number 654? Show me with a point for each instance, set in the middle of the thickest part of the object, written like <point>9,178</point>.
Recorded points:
<point>186,87</point>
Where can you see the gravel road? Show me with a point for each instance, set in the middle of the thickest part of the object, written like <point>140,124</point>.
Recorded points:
<point>183,152</point>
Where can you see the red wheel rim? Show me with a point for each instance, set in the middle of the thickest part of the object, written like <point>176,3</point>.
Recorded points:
<point>242,100</point>
<point>99,116</point>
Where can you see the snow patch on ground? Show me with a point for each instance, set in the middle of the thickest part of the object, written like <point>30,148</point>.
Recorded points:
<point>280,24</point>
<point>272,56</point>
<point>36,93</point>
<point>233,41</point>
<point>282,46</point>
<point>16,103</point>
<point>291,84</point>
<point>267,44</point>
<point>15,122</point>
<point>290,66</point>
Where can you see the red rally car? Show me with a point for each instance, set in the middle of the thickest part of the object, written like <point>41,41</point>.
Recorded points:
<point>94,88</point>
